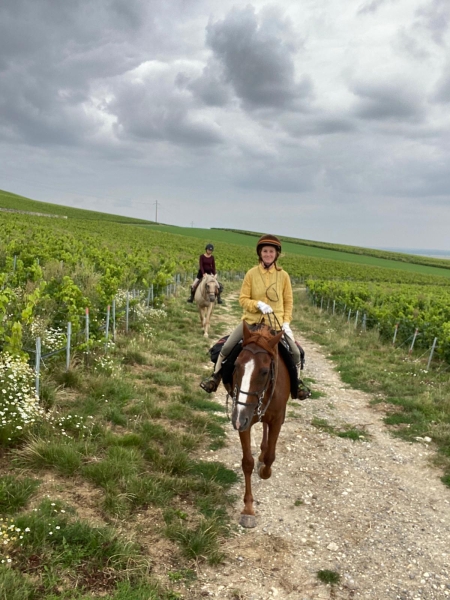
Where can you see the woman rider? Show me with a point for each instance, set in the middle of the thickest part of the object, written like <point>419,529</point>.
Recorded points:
<point>266,289</point>
<point>206,265</point>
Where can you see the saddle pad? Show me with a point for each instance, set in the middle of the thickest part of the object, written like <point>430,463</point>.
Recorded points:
<point>228,364</point>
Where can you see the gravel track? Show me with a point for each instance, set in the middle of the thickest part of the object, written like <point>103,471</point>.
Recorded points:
<point>373,510</point>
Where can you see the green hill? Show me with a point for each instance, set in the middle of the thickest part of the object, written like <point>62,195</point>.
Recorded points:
<point>14,202</point>
<point>234,248</point>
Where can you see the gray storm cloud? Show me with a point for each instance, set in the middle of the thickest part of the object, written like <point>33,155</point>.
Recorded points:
<point>380,101</point>
<point>257,57</point>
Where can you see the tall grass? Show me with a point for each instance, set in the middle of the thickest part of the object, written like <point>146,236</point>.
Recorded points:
<point>130,437</point>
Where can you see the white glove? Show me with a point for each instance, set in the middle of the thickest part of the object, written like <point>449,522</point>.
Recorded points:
<point>264,308</point>
<point>287,330</point>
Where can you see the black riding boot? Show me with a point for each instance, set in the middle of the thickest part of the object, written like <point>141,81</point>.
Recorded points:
<point>299,391</point>
<point>219,299</point>
<point>212,383</point>
<point>303,391</point>
<point>191,299</point>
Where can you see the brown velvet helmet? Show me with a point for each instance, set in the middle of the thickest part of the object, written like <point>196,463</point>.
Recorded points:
<point>268,240</point>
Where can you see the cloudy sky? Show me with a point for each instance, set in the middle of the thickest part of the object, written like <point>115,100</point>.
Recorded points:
<point>324,120</point>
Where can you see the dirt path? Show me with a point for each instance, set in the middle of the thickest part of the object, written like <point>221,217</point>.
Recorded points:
<point>375,511</point>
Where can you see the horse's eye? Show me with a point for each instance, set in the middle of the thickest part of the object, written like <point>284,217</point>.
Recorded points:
<point>264,371</point>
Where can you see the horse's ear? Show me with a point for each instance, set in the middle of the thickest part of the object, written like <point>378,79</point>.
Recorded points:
<point>273,342</point>
<point>247,333</point>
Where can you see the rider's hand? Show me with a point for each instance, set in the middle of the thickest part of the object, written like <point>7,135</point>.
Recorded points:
<point>264,308</point>
<point>287,330</point>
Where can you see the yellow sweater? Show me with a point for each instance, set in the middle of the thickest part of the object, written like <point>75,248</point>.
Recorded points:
<point>270,286</point>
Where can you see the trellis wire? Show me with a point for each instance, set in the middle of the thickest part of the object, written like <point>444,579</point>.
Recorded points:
<point>364,324</point>
<point>170,289</point>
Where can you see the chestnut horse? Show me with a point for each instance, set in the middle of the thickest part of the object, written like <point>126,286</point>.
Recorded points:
<point>205,298</point>
<point>260,391</point>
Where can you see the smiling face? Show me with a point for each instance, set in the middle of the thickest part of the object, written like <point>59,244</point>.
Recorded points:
<point>268,254</point>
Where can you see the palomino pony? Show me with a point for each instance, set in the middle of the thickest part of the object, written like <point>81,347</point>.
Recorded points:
<point>260,391</point>
<point>205,298</point>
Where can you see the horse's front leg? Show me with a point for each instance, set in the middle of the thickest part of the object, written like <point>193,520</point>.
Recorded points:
<point>248,514</point>
<point>268,456</point>
<point>207,319</point>
<point>264,442</point>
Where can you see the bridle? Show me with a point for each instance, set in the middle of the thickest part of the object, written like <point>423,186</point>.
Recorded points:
<point>259,408</point>
<point>206,292</point>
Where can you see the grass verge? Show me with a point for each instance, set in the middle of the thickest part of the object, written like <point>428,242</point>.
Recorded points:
<point>126,431</point>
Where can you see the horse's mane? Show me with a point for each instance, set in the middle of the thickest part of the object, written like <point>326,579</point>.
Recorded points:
<point>261,334</point>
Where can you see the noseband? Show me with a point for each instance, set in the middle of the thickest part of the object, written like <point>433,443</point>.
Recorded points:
<point>259,409</point>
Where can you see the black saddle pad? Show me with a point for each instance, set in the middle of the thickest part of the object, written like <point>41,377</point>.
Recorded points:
<point>228,364</point>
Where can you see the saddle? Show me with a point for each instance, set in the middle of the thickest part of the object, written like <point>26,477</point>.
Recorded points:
<point>297,385</point>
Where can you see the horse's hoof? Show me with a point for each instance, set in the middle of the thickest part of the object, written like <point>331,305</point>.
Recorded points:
<point>247,521</point>
<point>262,474</point>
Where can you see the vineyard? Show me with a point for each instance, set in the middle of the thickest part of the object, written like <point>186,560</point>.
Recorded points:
<point>421,312</point>
<point>52,270</point>
<point>363,253</point>
<point>99,371</point>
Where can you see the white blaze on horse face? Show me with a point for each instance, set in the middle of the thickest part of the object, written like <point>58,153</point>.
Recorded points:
<point>246,380</point>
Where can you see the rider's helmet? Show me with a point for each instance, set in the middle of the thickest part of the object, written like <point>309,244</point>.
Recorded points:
<point>268,240</point>
<point>209,247</point>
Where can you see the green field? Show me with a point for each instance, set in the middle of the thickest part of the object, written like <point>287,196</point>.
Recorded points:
<point>232,237</point>
<point>296,248</point>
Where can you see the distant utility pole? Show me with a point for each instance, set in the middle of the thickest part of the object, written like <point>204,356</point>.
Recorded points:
<point>156,211</point>
<point>192,223</point>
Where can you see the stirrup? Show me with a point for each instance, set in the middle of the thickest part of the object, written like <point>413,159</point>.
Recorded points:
<point>304,391</point>
<point>211,384</point>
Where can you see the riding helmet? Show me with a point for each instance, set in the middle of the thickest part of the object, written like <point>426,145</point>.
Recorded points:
<point>209,247</point>
<point>268,240</point>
